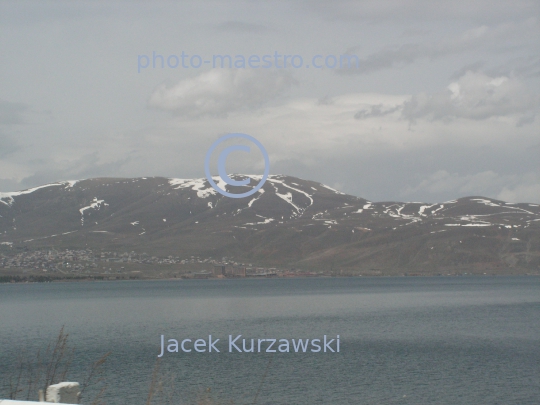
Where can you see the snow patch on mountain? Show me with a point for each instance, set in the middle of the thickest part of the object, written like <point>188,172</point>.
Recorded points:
<point>332,189</point>
<point>50,236</point>
<point>250,203</point>
<point>288,198</point>
<point>438,209</point>
<point>10,194</point>
<point>201,186</point>
<point>295,189</point>
<point>485,202</point>
<point>95,204</point>
<point>266,221</point>
<point>423,208</point>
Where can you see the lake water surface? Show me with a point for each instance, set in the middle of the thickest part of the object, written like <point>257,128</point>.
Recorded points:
<point>408,340</point>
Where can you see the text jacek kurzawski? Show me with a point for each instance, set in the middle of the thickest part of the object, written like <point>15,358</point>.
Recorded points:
<point>237,344</point>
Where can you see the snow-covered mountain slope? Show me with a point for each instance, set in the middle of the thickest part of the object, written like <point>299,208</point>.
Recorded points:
<point>289,221</point>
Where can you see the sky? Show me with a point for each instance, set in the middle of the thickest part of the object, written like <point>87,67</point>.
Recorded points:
<point>441,102</point>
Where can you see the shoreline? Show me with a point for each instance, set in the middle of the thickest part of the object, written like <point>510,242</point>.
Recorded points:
<point>187,279</point>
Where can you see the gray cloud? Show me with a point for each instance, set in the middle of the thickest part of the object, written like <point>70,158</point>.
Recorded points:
<point>475,96</point>
<point>87,166</point>
<point>526,189</point>
<point>241,27</point>
<point>376,111</point>
<point>511,188</point>
<point>479,38</point>
<point>326,100</point>
<point>428,174</point>
<point>473,67</point>
<point>524,66</point>
<point>8,145</point>
<point>10,185</point>
<point>12,113</point>
<point>78,62</point>
<point>424,10</point>
<point>221,91</point>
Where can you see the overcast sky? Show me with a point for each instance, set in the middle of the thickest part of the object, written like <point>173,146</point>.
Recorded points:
<point>444,103</point>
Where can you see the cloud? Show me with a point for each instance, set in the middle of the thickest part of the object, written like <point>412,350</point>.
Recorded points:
<point>376,111</point>
<point>12,113</point>
<point>10,185</point>
<point>421,10</point>
<point>475,96</point>
<point>87,166</point>
<point>462,185</point>
<point>358,124</point>
<point>221,91</point>
<point>480,38</point>
<point>527,67</point>
<point>8,145</point>
<point>351,139</point>
<point>529,191</point>
<point>241,27</point>
<point>473,67</point>
<point>511,188</point>
<point>376,157</point>
<point>406,54</point>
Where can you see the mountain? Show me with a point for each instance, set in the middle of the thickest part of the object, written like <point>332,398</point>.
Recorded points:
<point>289,223</point>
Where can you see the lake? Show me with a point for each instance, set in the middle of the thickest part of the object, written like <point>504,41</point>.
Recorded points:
<point>404,340</point>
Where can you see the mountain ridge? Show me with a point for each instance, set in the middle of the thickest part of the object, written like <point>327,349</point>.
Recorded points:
<point>289,222</point>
